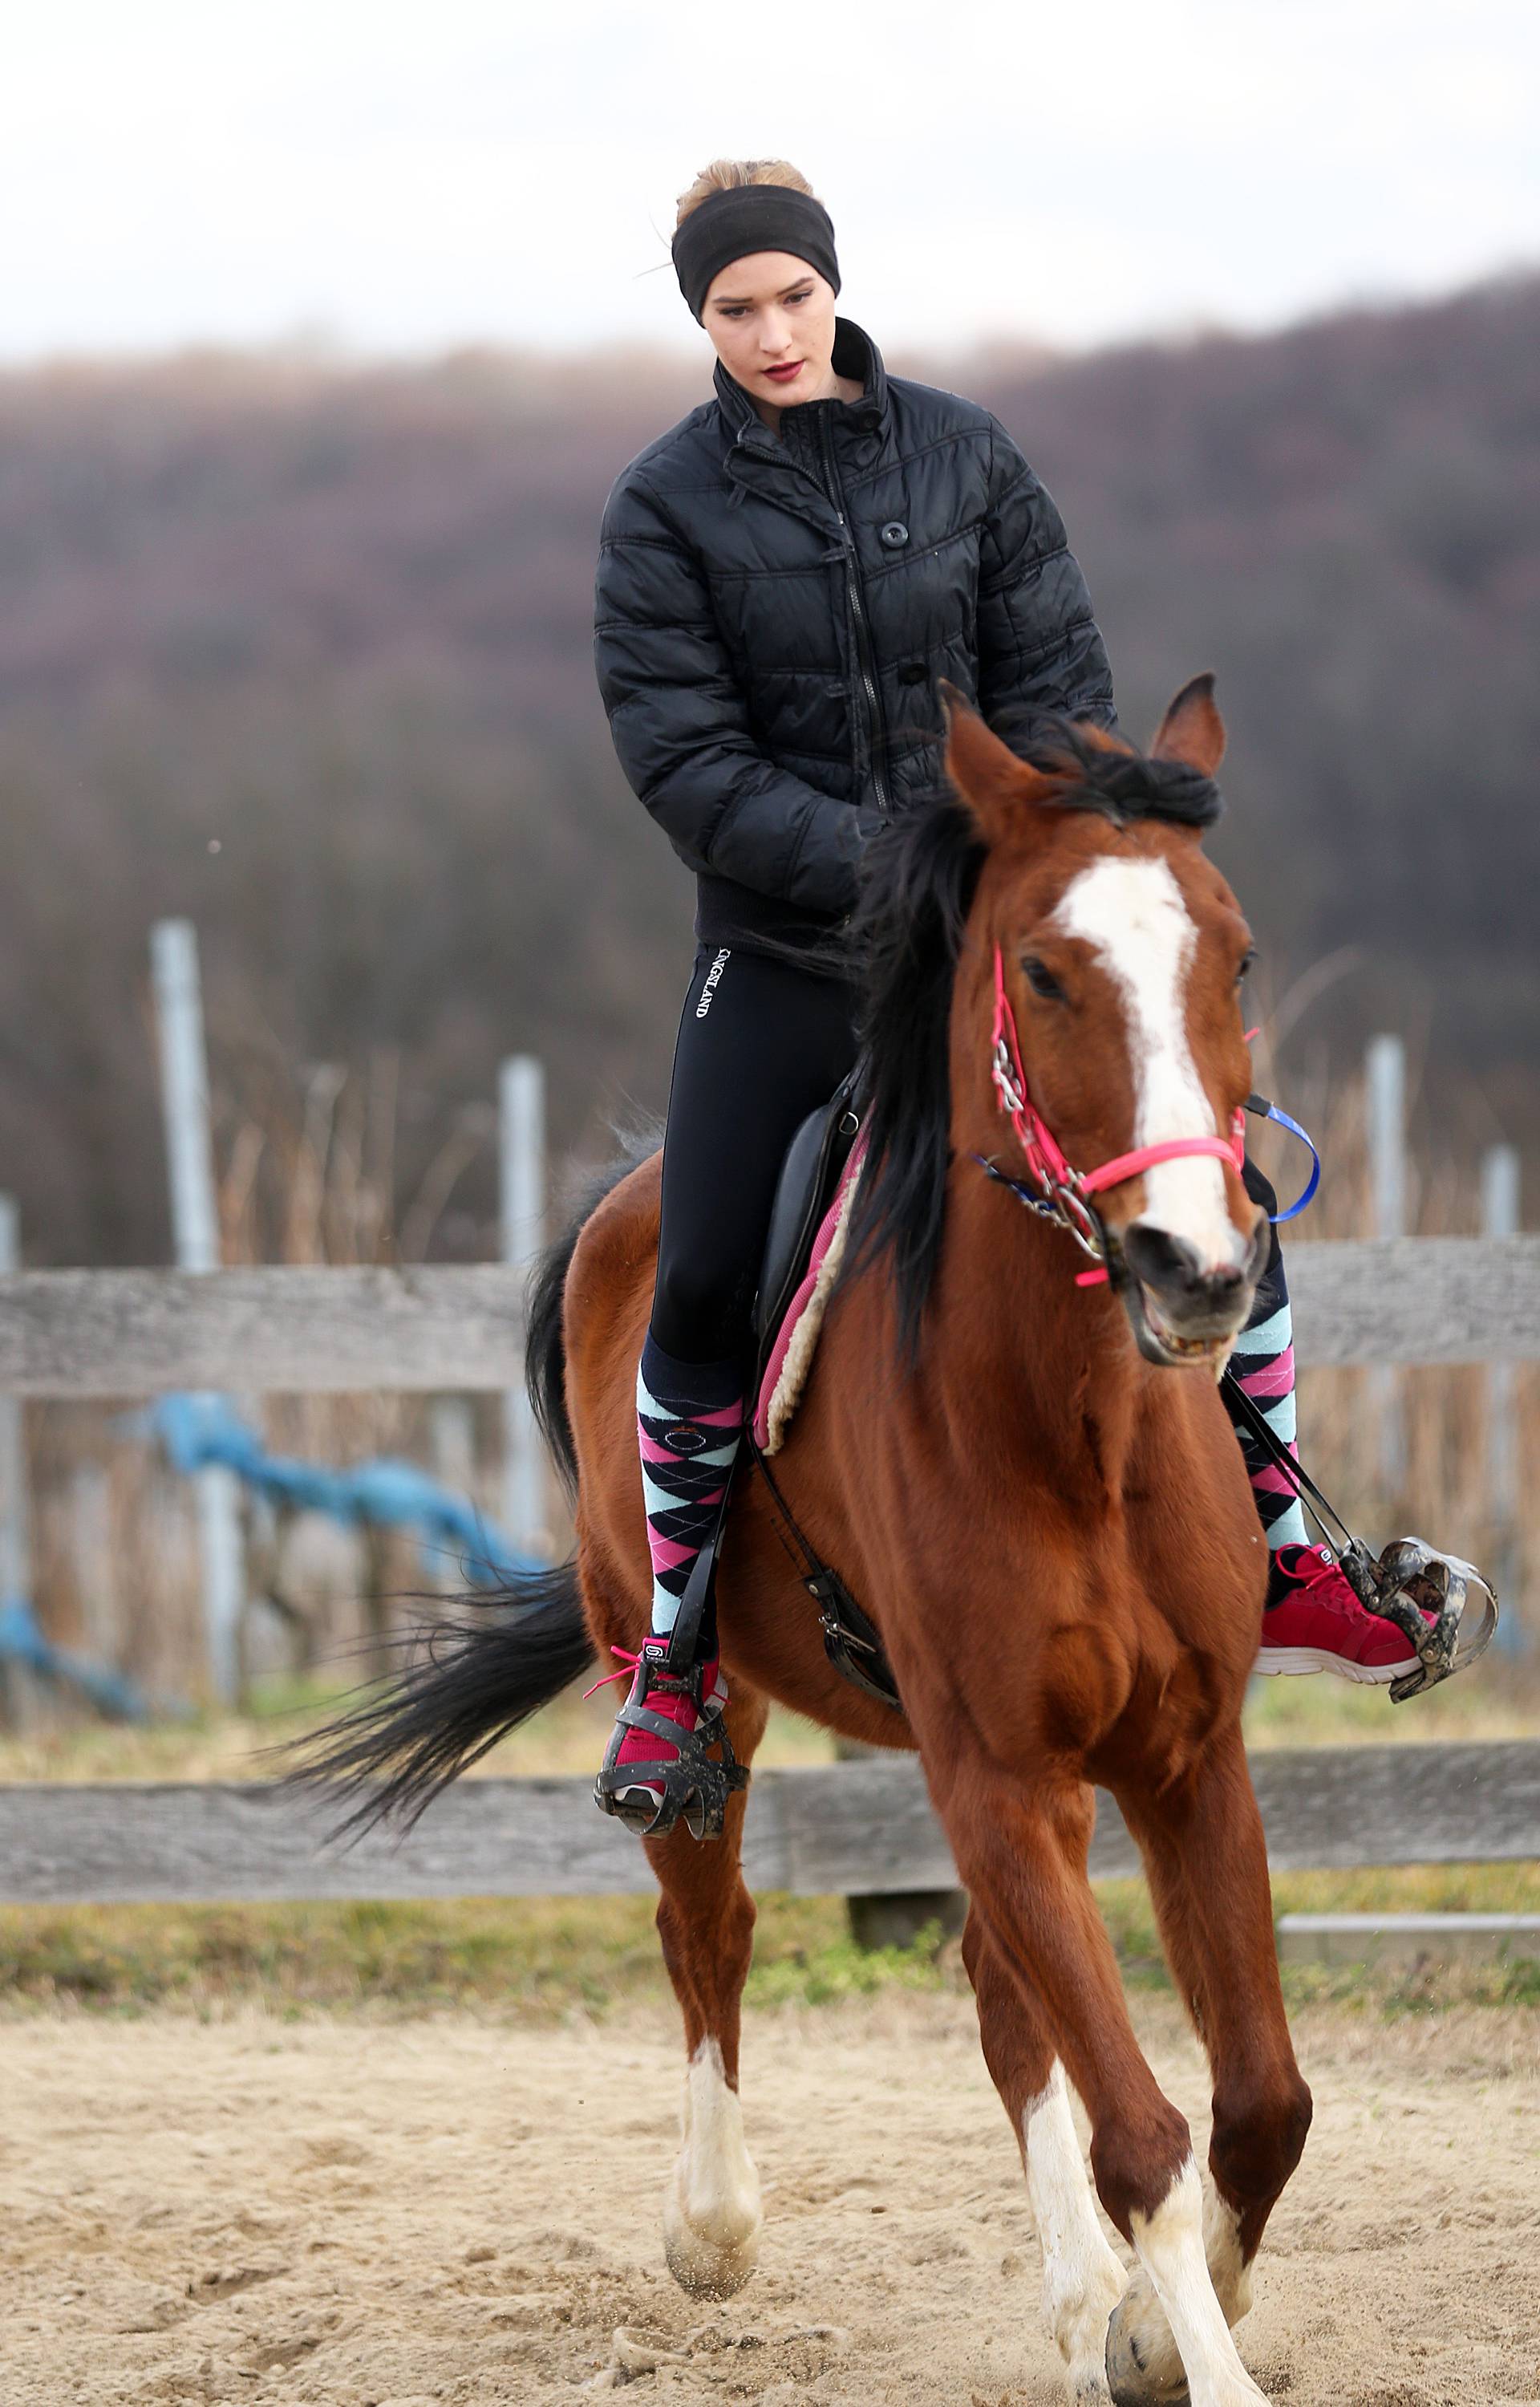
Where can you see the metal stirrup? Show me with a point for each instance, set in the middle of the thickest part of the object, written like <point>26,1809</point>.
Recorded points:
<point>693,1784</point>
<point>1404,1577</point>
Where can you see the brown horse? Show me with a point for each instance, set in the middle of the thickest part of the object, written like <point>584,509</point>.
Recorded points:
<point>1049,1521</point>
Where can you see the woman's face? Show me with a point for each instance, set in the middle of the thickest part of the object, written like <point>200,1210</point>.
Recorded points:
<point>771,319</point>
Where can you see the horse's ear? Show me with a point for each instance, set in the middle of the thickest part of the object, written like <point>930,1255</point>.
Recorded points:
<point>1193,731</point>
<point>986,772</point>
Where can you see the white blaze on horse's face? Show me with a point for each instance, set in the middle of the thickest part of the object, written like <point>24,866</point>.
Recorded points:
<point>1132,914</point>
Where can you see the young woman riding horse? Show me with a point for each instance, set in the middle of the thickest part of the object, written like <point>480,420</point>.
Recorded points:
<point>1023,1478</point>
<point>784,580</point>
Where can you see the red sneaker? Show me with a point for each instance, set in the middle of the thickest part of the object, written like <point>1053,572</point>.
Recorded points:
<point>687,1700</point>
<point>1315,1623</point>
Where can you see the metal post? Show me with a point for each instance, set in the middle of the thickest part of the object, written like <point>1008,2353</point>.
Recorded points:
<point>1385,1080</point>
<point>521,1113</point>
<point>195,1233</point>
<point>16,1692</point>
<point>1500,1218</point>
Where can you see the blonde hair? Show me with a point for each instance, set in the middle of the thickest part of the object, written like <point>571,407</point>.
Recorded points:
<point>734,175</point>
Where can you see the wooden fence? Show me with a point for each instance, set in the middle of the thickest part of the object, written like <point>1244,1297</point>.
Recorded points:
<point>286,1330</point>
<point>863,1829</point>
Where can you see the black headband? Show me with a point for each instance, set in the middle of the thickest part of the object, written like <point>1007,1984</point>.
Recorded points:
<point>751,217</point>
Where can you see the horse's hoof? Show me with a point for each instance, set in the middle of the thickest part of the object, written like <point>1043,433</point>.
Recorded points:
<point>711,2215</point>
<point>1143,2369</point>
<point>707,2267</point>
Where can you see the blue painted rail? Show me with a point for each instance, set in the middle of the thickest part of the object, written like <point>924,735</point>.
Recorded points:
<point>196,1433</point>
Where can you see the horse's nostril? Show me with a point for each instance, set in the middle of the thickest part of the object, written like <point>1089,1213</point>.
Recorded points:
<point>1163,1260</point>
<point>1172,1266</point>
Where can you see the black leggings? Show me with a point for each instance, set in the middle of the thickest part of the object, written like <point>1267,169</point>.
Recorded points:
<point>761,1044</point>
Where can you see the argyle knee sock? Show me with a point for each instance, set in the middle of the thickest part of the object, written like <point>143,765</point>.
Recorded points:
<point>689,1420</point>
<point>1264,1366</point>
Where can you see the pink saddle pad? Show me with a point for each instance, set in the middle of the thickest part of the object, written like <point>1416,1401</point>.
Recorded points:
<point>801,1298</point>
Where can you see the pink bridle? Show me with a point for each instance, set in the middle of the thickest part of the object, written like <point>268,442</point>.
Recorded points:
<point>1064,1190</point>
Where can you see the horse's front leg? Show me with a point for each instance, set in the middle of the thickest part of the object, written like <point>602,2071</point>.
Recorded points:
<point>711,2215</point>
<point>1020,1848</point>
<point>1083,2280</point>
<point>1206,1861</point>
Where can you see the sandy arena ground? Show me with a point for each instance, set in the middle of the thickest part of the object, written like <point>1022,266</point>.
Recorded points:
<point>356,2211</point>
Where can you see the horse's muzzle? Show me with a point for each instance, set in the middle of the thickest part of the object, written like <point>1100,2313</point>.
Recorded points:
<point>1180,1311</point>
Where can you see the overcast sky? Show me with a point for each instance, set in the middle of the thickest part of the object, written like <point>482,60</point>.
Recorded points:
<point>408,174</point>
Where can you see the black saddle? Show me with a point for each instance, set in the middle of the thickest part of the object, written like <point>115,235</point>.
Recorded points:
<point>814,1162</point>
<point>810,1176</point>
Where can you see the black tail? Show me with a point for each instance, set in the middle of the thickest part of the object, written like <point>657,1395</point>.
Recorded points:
<point>469,1681</point>
<point>467,1684</point>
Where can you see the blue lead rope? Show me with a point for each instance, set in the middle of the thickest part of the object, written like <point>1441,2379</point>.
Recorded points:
<point>1260,1108</point>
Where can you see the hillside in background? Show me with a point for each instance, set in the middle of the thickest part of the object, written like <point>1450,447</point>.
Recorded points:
<point>301,650</point>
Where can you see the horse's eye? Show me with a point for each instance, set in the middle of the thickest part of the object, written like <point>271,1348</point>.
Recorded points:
<point>1246,966</point>
<point>1040,978</point>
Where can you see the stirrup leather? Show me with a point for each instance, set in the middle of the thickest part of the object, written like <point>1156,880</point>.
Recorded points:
<point>694,1785</point>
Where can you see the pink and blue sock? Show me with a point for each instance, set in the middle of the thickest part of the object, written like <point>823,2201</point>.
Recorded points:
<point>1264,1366</point>
<point>689,1420</point>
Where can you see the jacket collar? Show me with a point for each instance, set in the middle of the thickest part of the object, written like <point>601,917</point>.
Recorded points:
<point>855,355</point>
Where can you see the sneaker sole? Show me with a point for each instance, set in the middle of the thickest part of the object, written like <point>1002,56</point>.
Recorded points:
<point>1275,1662</point>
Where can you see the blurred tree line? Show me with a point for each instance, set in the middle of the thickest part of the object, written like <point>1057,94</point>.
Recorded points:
<point>301,649</point>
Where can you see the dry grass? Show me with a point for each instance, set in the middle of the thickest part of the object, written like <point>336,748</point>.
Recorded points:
<point>568,1737</point>
<point>543,1959</point>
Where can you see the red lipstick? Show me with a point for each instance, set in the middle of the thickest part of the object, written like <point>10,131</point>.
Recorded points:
<point>784,375</point>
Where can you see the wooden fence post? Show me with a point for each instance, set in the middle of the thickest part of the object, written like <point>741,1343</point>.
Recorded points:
<point>91,1544</point>
<point>1385,1079</point>
<point>895,1917</point>
<point>1500,1218</point>
<point>195,1233</point>
<point>522,1114</point>
<point>18,1697</point>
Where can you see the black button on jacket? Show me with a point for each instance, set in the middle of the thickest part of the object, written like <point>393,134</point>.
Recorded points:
<point>771,618</point>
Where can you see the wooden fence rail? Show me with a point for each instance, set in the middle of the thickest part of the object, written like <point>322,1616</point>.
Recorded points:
<point>862,1827</point>
<point>294,1331</point>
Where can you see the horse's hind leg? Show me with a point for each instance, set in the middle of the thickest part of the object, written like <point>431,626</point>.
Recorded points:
<point>705,1920</point>
<point>1083,2280</point>
<point>1207,1862</point>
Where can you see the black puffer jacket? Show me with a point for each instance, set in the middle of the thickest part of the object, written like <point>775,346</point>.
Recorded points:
<point>771,618</point>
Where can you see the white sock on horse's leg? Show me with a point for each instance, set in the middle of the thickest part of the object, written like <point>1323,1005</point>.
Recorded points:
<point>712,2216</point>
<point>1083,2279</point>
<point>1143,2332</point>
<point>1228,2270</point>
<point>1172,2248</point>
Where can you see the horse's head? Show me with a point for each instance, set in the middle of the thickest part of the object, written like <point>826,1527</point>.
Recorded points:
<point>1107,952</point>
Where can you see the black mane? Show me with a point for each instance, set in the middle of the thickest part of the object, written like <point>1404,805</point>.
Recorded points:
<point>917,891</point>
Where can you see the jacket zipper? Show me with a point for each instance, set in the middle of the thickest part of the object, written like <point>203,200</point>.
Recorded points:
<point>876,739</point>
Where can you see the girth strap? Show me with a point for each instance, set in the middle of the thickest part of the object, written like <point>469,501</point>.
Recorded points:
<point>851,1639</point>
